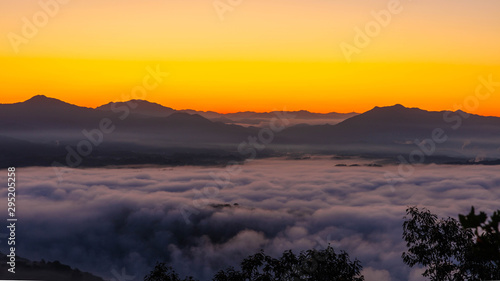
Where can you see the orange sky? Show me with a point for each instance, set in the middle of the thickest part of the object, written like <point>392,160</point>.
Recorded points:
<point>263,55</point>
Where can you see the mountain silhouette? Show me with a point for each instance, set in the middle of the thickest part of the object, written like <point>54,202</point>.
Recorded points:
<point>247,118</point>
<point>41,113</point>
<point>141,127</point>
<point>395,124</point>
<point>140,107</point>
<point>400,121</point>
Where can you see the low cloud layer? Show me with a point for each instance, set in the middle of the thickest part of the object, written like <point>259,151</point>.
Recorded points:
<point>101,220</point>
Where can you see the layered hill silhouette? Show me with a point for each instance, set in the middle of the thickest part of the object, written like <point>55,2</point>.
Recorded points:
<point>247,118</point>
<point>40,130</point>
<point>399,124</point>
<point>42,270</point>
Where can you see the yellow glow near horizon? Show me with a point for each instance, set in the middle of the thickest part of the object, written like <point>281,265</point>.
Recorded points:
<point>263,56</point>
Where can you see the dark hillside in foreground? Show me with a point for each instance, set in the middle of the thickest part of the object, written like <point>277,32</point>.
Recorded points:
<point>41,270</point>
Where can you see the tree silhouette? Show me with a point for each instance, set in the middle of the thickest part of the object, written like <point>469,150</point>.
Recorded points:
<point>447,248</point>
<point>317,265</point>
<point>311,265</point>
<point>486,249</point>
<point>162,272</point>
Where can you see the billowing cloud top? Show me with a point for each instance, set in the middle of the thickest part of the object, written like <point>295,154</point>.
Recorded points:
<point>203,219</point>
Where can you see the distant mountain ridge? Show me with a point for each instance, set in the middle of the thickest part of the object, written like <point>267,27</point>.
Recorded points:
<point>142,131</point>
<point>247,118</point>
<point>140,107</point>
<point>402,124</point>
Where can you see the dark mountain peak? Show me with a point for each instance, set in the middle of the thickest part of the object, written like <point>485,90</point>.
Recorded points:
<point>41,112</point>
<point>149,104</point>
<point>43,100</point>
<point>131,103</point>
<point>143,107</point>
<point>44,103</point>
<point>394,111</point>
<point>398,106</point>
<point>39,97</point>
<point>389,116</point>
<point>392,107</point>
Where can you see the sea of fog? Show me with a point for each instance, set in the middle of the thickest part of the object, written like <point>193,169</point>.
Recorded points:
<point>121,221</point>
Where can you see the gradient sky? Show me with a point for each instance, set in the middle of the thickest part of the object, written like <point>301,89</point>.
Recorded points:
<point>264,55</point>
